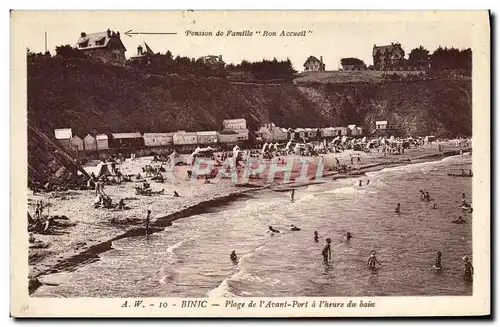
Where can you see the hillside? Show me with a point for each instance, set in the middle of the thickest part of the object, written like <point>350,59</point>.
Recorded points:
<point>351,76</point>
<point>89,96</point>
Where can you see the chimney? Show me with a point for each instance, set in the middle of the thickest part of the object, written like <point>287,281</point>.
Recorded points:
<point>139,50</point>
<point>83,34</point>
<point>321,59</point>
<point>118,34</point>
<point>109,33</point>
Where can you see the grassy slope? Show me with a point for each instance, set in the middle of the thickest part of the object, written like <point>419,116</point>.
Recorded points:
<point>85,95</point>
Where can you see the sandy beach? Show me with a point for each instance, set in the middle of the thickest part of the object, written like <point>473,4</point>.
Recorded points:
<point>91,230</point>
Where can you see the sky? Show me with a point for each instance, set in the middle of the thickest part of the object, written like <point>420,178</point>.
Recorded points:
<point>332,35</point>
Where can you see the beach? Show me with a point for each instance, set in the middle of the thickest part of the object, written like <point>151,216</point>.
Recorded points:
<point>95,231</point>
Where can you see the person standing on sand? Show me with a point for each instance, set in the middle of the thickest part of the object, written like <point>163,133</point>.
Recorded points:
<point>398,209</point>
<point>147,222</point>
<point>97,186</point>
<point>293,194</point>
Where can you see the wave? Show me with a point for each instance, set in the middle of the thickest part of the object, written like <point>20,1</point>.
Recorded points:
<point>223,289</point>
<point>249,254</point>
<point>343,190</point>
<point>420,165</point>
<point>171,249</point>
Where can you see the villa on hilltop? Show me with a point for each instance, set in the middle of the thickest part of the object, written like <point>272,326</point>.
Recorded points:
<point>106,46</point>
<point>143,50</point>
<point>147,58</point>
<point>314,64</point>
<point>212,61</point>
<point>387,57</point>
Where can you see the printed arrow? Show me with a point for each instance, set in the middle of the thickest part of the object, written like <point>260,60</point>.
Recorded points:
<point>130,33</point>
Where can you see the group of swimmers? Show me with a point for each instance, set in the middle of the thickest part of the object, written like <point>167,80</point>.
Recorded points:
<point>327,252</point>
<point>425,196</point>
<point>468,268</point>
<point>372,260</point>
<point>361,182</point>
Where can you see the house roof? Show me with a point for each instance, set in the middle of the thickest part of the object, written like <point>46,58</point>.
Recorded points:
<point>386,48</point>
<point>311,59</point>
<point>63,133</point>
<point>206,133</point>
<point>227,132</point>
<point>148,49</point>
<point>126,135</point>
<point>211,59</point>
<point>101,137</point>
<point>381,122</point>
<point>157,134</point>
<point>185,133</point>
<point>235,120</point>
<point>284,130</point>
<point>353,126</point>
<point>94,38</point>
<point>76,137</point>
<point>89,136</point>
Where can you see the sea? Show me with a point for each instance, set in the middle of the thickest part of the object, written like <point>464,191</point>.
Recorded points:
<point>191,257</point>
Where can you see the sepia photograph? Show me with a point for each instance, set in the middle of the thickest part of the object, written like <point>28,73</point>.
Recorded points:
<point>235,155</point>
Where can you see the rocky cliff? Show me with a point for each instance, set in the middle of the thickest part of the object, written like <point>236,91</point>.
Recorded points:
<point>90,96</point>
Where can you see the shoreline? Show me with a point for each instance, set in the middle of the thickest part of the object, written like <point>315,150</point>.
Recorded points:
<point>92,252</point>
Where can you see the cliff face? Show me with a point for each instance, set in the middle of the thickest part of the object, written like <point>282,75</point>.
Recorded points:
<point>86,95</point>
<point>47,160</point>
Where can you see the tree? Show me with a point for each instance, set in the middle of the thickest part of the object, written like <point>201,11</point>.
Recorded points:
<point>67,51</point>
<point>451,58</point>
<point>169,55</point>
<point>418,56</point>
<point>352,61</point>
